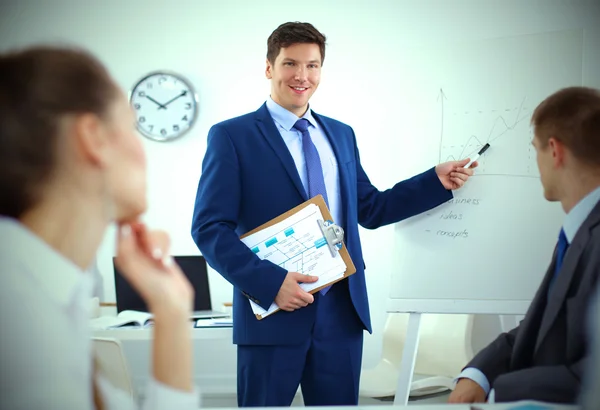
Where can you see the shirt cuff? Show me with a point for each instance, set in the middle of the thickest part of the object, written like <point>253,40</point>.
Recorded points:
<point>477,376</point>
<point>160,396</point>
<point>492,397</point>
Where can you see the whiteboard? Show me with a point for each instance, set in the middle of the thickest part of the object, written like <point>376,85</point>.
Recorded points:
<point>487,250</point>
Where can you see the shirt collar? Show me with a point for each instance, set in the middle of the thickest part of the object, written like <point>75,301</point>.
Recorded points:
<point>579,213</point>
<point>57,276</point>
<point>285,118</point>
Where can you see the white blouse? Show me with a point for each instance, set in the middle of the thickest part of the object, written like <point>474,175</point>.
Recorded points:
<point>45,343</point>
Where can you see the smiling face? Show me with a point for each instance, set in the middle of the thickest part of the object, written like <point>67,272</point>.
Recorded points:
<point>295,75</point>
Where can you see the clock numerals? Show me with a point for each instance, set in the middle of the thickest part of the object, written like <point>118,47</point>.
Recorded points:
<point>164,104</point>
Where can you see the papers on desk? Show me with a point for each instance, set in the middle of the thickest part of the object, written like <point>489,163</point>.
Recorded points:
<point>126,318</point>
<point>523,405</point>
<point>296,243</point>
<point>221,322</point>
<point>144,320</point>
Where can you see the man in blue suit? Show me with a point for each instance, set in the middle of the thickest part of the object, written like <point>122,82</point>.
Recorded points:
<point>259,166</point>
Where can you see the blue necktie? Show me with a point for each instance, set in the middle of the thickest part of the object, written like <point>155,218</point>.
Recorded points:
<point>314,170</point>
<point>561,249</point>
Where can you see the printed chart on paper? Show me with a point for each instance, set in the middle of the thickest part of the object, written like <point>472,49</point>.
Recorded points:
<point>297,245</point>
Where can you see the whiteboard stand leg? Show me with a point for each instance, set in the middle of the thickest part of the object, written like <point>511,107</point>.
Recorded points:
<point>409,357</point>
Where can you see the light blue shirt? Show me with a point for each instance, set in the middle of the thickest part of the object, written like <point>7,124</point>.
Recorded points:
<point>579,213</point>
<point>573,221</point>
<point>285,120</point>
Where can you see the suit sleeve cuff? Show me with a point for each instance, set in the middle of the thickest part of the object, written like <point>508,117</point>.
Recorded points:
<point>160,396</point>
<point>434,184</point>
<point>477,376</point>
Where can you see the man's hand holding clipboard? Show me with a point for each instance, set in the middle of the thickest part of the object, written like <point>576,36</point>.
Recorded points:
<point>291,296</point>
<point>306,243</point>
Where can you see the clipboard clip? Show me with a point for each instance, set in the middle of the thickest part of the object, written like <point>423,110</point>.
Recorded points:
<point>333,234</point>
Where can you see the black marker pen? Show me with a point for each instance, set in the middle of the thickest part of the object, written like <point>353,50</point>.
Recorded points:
<point>476,157</point>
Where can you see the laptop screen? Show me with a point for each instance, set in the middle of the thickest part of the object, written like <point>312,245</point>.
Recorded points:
<point>193,267</point>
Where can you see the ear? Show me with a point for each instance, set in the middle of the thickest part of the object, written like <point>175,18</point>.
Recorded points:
<point>269,70</point>
<point>91,139</point>
<point>558,151</point>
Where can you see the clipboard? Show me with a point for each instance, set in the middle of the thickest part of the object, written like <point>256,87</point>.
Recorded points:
<point>332,233</point>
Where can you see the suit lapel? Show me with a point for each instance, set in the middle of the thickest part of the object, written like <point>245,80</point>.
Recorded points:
<point>267,127</point>
<point>565,275</point>
<point>335,146</point>
<point>532,321</point>
<point>334,143</point>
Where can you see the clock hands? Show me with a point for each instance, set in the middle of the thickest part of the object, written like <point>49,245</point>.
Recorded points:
<point>173,99</point>
<point>164,106</point>
<point>156,102</point>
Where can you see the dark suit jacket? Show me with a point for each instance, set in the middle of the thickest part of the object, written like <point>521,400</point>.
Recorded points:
<point>590,395</point>
<point>544,357</point>
<point>249,177</point>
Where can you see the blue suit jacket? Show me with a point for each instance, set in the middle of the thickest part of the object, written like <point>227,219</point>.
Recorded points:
<point>248,178</point>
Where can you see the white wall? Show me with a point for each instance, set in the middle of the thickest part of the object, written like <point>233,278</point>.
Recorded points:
<point>220,46</point>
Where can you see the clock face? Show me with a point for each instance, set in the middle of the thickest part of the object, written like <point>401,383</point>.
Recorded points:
<point>165,106</point>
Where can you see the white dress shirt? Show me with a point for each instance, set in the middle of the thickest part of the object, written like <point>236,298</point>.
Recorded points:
<point>285,120</point>
<point>46,351</point>
<point>573,221</point>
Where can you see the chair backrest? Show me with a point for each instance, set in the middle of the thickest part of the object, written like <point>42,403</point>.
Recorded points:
<point>444,344</point>
<point>112,363</point>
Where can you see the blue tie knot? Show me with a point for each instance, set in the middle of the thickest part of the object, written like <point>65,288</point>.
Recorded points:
<point>302,125</point>
<point>561,249</point>
<point>562,239</point>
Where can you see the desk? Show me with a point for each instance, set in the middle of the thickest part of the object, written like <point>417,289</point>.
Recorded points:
<point>432,407</point>
<point>215,366</point>
<point>215,358</point>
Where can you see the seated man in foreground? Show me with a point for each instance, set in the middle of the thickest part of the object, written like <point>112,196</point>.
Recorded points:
<point>544,357</point>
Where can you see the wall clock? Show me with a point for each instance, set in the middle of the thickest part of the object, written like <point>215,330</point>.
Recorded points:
<point>165,105</point>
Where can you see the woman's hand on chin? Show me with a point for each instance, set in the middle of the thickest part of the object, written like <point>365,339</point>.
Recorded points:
<point>144,260</point>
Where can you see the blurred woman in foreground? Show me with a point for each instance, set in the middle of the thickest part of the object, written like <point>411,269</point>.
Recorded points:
<point>70,165</point>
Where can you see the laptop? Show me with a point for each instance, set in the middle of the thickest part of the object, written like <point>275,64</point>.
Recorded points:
<point>193,267</point>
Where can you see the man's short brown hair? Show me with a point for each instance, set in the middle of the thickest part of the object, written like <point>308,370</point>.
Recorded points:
<point>294,33</point>
<point>572,116</point>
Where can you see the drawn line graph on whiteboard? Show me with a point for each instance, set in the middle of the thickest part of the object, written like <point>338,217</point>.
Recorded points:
<point>463,133</point>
